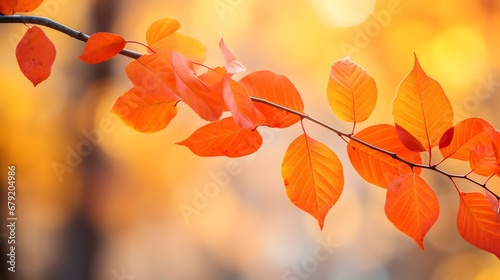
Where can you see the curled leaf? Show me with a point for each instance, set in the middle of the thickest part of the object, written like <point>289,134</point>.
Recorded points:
<point>231,63</point>
<point>102,46</point>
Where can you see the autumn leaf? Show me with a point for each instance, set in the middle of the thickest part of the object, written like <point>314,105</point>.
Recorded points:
<point>231,63</point>
<point>422,108</point>
<point>482,160</point>
<point>154,74</point>
<point>277,89</point>
<point>352,92</point>
<point>478,223</point>
<point>240,104</point>
<point>376,167</point>
<point>223,138</point>
<point>495,142</point>
<point>9,7</point>
<point>35,55</point>
<point>412,206</point>
<point>102,46</point>
<point>193,91</point>
<point>313,176</point>
<point>159,30</point>
<point>467,134</point>
<point>143,111</point>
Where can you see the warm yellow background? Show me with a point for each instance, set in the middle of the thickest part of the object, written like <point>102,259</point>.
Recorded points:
<point>128,193</point>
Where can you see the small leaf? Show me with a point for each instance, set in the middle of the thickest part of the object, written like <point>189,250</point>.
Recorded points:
<point>35,55</point>
<point>9,7</point>
<point>478,223</point>
<point>231,63</point>
<point>192,90</point>
<point>376,167</point>
<point>277,89</point>
<point>408,140</point>
<point>352,92</point>
<point>495,143</point>
<point>482,160</point>
<point>161,29</point>
<point>223,138</point>
<point>467,135</point>
<point>447,138</point>
<point>143,111</point>
<point>240,104</point>
<point>102,46</point>
<point>313,176</point>
<point>186,45</point>
<point>422,108</point>
<point>412,206</point>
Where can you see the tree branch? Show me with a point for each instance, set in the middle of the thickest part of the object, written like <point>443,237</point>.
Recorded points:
<point>132,54</point>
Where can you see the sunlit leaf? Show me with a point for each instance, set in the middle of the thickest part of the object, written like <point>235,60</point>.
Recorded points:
<point>240,104</point>
<point>478,223</point>
<point>186,45</point>
<point>231,63</point>
<point>352,92</point>
<point>376,167</point>
<point>313,176</point>
<point>467,134</point>
<point>412,206</point>
<point>495,142</point>
<point>482,160</point>
<point>422,108</point>
<point>9,7</point>
<point>277,89</point>
<point>35,55</point>
<point>409,140</point>
<point>102,46</point>
<point>160,30</point>
<point>223,138</point>
<point>143,111</point>
<point>206,103</point>
<point>154,74</point>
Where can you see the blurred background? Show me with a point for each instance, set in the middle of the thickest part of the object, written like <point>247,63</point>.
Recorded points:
<point>98,200</point>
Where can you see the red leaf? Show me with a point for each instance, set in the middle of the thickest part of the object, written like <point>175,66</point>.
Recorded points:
<point>277,89</point>
<point>447,138</point>
<point>408,140</point>
<point>313,176</point>
<point>193,91</point>
<point>143,111</point>
<point>467,135</point>
<point>478,223</point>
<point>35,55</point>
<point>412,206</point>
<point>231,63</point>
<point>9,7</point>
<point>102,46</point>
<point>376,167</point>
<point>239,103</point>
<point>223,138</point>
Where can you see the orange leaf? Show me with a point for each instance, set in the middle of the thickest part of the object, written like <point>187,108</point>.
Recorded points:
<point>223,138</point>
<point>35,55</point>
<point>412,206</point>
<point>422,108</point>
<point>102,46</point>
<point>313,176</point>
<point>482,160</point>
<point>9,7</point>
<point>240,104</point>
<point>277,89</point>
<point>143,111</point>
<point>376,167</point>
<point>194,91</point>
<point>160,30</point>
<point>154,74</point>
<point>467,134</point>
<point>495,142</point>
<point>231,63</point>
<point>188,46</point>
<point>408,140</point>
<point>478,223</point>
<point>352,92</point>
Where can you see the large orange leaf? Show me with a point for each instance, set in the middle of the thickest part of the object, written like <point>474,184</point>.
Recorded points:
<point>35,55</point>
<point>313,176</point>
<point>482,160</point>
<point>277,89</point>
<point>102,46</point>
<point>376,167</point>
<point>478,223</point>
<point>352,92</point>
<point>240,104</point>
<point>143,111</point>
<point>9,7</point>
<point>422,108</point>
<point>412,206</point>
<point>223,138</point>
<point>154,74</point>
<point>467,134</point>
<point>194,91</point>
<point>495,142</point>
<point>160,30</point>
<point>231,63</point>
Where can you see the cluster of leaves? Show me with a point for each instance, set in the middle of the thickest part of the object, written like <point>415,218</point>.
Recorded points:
<point>385,155</point>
